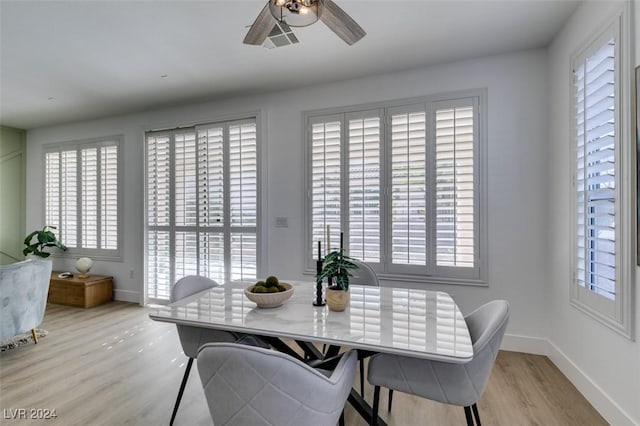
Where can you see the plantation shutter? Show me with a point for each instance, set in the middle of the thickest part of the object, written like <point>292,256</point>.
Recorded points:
<point>68,198</point>
<point>408,186</point>
<point>455,186</point>
<point>243,199</point>
<point>595,181</point>
<point>211,212</point>
<point>158,191</point>
<point>185,208</point>
<point>403,182</point>
<point>89,197</point>
<point>52,181</point>
<point>202,204</point>
<point>81,196</point>
<point>325,181</point>
<point>364,133</point>
<point>109,206</point>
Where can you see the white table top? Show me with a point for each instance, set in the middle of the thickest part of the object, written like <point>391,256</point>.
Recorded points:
<point>418,323</point>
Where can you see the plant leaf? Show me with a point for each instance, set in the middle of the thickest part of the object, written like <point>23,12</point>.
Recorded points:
<point>27,240</point>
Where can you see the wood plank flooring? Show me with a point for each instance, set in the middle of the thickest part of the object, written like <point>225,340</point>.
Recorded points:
<point>112,365</point>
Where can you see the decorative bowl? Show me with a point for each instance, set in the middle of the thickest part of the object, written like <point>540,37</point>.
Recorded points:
<point>269,300</point>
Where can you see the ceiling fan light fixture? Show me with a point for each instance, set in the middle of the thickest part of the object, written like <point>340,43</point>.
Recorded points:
<point>296,13</point>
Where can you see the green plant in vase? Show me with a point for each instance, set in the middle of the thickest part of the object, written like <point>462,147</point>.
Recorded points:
<point>336,265</point>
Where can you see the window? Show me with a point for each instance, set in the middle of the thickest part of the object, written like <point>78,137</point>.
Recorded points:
<point>403,182</point>
<point>202,204</point>
<point>601,279</point>
<point>82,195</point>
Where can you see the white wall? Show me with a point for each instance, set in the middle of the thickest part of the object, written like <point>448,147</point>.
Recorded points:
<point>516,100</point>
<point>603,365</point>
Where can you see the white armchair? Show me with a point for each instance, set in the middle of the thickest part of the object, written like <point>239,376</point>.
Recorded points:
<point>24,287</point>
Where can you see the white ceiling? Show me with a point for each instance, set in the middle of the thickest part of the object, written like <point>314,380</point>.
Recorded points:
<point>63,61</point>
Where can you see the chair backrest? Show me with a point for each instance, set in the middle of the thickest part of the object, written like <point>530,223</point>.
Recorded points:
<point>487,323</point>
<point>191,338</point>
<point>364,275</point>
<point>487,326</point>
<point>246,385</point>
<point>191,284</point>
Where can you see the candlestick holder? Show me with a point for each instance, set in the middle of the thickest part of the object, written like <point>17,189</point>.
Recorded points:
<point>319,300</point>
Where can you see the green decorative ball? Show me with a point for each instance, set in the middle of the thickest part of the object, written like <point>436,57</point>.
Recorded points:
<point>261,283</point>
<point>272,281</point>
<point>259,289</point>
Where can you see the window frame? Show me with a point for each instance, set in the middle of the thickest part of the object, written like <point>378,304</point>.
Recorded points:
<point>78,146</point>
<point>411,274</point>
<point>616,314</point>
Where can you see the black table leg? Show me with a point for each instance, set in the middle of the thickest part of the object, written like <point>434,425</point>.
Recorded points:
<point>310,351</point>
<point>363,408</point>
<point>280,346</point>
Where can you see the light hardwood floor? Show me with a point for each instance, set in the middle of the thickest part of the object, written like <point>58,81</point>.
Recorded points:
<point>112,365</point>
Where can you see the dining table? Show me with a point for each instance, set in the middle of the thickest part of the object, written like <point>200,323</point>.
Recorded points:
<point>403,321</point>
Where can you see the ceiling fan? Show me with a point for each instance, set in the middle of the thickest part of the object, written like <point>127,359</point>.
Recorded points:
<point>300,13</point>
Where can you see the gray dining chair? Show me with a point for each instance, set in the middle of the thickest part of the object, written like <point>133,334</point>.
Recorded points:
<point>191,338</point>
<point>246,385</point>
<point>456,384</point>
<point>365,276</point>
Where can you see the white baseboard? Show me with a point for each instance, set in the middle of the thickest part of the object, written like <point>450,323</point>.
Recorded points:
<point>603,403</point>
<point>126,296</point>
<point>530,345</point>
<point>606,406</point>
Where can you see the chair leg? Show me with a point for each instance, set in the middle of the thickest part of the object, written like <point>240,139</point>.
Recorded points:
<point>467,414</point>
<point>390,399</point>
<point>362,378</point>
<point>341,421</point>
<point>34,335</point>
<point>376,404</point>
<point>181,391</point>
<point>476,414</point>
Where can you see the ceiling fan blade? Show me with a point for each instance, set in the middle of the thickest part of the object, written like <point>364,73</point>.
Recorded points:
<point>261,27</point>
<point>340,23</point>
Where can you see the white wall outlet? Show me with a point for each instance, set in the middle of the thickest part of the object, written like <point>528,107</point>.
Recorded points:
<point>282,222</point>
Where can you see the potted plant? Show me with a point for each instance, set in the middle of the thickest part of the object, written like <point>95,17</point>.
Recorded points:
<point>335,269</point>
<point>43,238</point>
